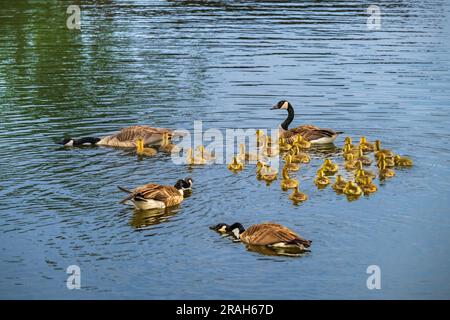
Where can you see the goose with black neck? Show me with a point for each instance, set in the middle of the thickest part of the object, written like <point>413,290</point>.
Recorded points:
<point>308,132</point>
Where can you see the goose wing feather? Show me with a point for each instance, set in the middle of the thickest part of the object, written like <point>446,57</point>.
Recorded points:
<point>271,233</point>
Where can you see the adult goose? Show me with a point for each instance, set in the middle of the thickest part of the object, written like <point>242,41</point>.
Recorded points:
<point>265,234</point>
<point>155,196</point>
<point>310,133</point>
<point>125,138</point>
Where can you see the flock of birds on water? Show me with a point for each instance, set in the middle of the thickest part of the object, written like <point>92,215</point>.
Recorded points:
<point>292,146</point>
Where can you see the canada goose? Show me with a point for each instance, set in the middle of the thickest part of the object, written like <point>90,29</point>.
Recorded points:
<point>125,138</point>
<point>246,156</point>
<point>284,146</point>
<point>359,167</point>
<point>385,172</point>
<point>348,142</point>
<point>321,180</point>
<point>378,150</point>
<point>191,159</point>
<point>365,145</point>
<point>259,138</point>
<point>365,160</point>
<point>402,161</point>
<point>265,234</point>
<point>352,189</point>
<point>290,166</point>
<point>268,173</point>
<point>287,182</point>
<point>167,146</point>
<point>329,168</point>
<point>339,184</point>
<point>368,186</point>
<point>389,162</point>
<point>235,165</point>
<point>144,151</point>
<point>297,196</point>
<point>351,163</point>
<point>310,133</point>
<point>298,156</point>
<point>301,143</point>
<point>205,154</point>
<point>155,196</point>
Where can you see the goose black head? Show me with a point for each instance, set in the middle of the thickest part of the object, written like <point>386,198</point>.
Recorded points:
<point>283,104</point>
<point>235,229</point>
<point>188,182</point>
<point>68,142</point>
<point>221,228</point>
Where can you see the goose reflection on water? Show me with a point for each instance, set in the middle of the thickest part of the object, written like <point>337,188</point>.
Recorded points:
<point>143,219</point>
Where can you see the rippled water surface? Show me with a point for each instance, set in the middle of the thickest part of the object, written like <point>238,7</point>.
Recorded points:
<point>168,63</point>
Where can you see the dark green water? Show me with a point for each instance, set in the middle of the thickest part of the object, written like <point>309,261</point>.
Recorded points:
<point>168,63</point>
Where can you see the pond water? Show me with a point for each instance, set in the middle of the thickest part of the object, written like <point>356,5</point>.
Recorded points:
<point>170,63</point>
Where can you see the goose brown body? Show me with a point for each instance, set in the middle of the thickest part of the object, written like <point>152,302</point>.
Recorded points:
<point>272,234</point>
<point>127,136</point>
<point>155,196</point>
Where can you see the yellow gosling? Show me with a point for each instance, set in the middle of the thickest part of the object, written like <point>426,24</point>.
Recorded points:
<point>351,163</point>
<point>144,151</point>
<point>329,167</point>
<point>379,151</point>
<point>321,180</point>
<point>365,145</point>
<point>385,172</point>
<point>402,161</point>
<point>298,156</point>
<point>235,165</point>
<point>297,196</point>
<point>368,186</point>
<point>352,189</point>
<point>339,184</point>
<point>290,166</point>
<point>287,182</point>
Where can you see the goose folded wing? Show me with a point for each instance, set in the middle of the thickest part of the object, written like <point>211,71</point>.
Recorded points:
<point>311,133</point>
<point>144,132</point>
<point>271,233</point>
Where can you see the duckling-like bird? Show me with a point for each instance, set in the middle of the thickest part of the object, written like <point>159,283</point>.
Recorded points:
<point>290,166</point>
<point>246,156</point>
<point>124,139</point>
<point>368,186</point>
<point>385,172</point>
<point>297,196</point>
<point>167,146</point>
<point>155,196</point>
<point>301,143</point>
<point>365,145</point>
<point>389,162</point>
<point>284,146</point>
<point>235,165</point>
<point>365,160</point>
<point>310,133</point>
<point>265,234</point>
<point>352,189</point>
<point>191,159</point>
<point>321,179</point>
<point>287,182</point>
<point>208,156</point>
<point>329,168</point>
<point>340,184</point>
<point>144,151</point>
<point>351,163</point>
<point>379,151</point>
<point>268,173</point>
<point>298,156</point>
<point>402,161</point>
